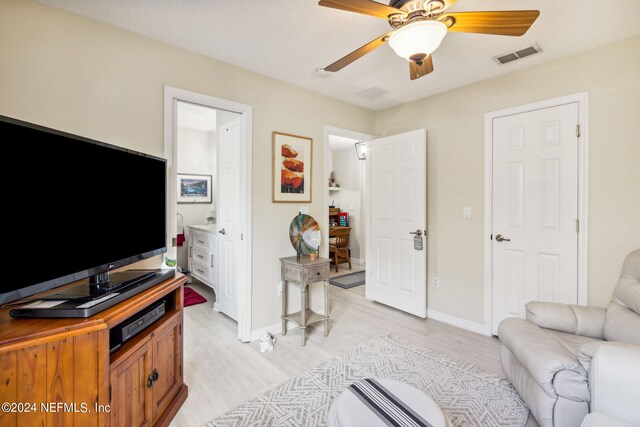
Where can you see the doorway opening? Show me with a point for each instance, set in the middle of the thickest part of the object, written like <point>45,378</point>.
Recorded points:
<point>345,201</point>
<point>395,218</point>
<point>208,151</point>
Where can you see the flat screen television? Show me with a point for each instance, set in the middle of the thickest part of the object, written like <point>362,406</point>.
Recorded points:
<point>77,209</point>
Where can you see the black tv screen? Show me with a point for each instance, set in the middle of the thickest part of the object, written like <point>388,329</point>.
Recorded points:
<point>77,208</point>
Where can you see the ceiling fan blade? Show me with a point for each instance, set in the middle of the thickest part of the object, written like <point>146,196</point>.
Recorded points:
<point>366,7</point>
<point>503,23</point>
<point>416,71</point>
<point>357,54</point>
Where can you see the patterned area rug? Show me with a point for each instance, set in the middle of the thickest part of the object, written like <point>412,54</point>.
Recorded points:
<point>466,393</point>
<point>350,280</point>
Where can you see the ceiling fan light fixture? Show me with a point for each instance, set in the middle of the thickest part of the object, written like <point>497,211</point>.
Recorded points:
<point>417,40</point>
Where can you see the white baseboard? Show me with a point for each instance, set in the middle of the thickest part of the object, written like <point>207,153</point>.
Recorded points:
<point>275,329</point>
<point>358,261</point>
<point>478,328</point>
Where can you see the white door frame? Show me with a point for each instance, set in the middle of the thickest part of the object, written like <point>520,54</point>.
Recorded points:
<point>582,99</point>
<point>171,96</point>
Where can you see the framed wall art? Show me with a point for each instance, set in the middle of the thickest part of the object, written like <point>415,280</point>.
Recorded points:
<point>194,189</point>
<point>291,179</point>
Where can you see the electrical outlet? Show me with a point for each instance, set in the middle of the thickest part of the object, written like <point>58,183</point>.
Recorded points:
<point>435,282</point>
<point>466,213</point>
<point>279,289</point>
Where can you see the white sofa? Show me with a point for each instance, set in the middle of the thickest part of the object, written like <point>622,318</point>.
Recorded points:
<point>614,381</point>
<point>548,356</point>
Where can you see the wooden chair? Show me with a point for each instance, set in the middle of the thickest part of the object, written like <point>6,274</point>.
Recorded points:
<point>339,250</point>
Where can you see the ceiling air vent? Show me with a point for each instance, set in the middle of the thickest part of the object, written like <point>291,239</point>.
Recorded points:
<point>518,54</point>
<point>373,92</point>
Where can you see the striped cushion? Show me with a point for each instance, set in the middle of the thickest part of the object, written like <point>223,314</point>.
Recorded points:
<point>383,402</point>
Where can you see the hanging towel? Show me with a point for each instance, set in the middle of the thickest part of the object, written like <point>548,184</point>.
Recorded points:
<point>180,239</point>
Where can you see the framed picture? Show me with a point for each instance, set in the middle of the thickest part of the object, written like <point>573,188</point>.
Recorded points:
<point>292,157</point>
<point>194,189</point>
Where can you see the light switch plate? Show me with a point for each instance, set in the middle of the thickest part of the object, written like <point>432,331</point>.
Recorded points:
<point>466,213</point>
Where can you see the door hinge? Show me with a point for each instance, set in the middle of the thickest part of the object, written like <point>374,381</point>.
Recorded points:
<point>577,225</point>
<point>241,236</point>
<point>578,131</point>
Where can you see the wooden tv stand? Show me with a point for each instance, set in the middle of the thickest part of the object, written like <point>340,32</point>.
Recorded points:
<point>47,363</point>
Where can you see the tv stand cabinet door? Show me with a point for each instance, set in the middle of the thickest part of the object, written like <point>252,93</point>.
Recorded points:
<point>43,372</point>
<point>131,404</point>
<point>167,364</point>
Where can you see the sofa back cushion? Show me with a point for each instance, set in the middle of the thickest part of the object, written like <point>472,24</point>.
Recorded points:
<point>622,320</point>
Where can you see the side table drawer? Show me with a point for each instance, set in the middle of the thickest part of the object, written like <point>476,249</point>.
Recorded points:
<point>291,273</point>
<point>317,273</point>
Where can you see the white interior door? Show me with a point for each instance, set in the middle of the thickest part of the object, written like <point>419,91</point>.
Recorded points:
<point>229,220</point>
<point>535,209</point>
<point>397,182</point>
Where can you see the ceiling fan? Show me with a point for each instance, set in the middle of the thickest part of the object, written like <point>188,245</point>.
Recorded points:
<point>419,26</point>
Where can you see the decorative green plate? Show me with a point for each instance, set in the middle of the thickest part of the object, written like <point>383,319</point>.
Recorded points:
<point>304,233</point>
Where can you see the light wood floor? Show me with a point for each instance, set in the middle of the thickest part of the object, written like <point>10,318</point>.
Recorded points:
<point>344,269</point>
<point>222,372</point>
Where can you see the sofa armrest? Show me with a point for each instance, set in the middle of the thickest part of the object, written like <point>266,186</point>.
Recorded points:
<point>574,319</point>
<point>540,354</point>
<point>598,419</point>
<point>614,379</point>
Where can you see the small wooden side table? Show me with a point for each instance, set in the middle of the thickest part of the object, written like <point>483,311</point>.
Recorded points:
<point>303,273</point>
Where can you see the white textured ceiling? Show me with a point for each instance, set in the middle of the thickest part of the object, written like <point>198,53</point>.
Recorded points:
<point>290,39</point>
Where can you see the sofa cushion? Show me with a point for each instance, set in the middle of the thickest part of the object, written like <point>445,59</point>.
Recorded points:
<point>622,324</point>
<point>570,341</point>
<point>588,321</point>
<point>627,291</point>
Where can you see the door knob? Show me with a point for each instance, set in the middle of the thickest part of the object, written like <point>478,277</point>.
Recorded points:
<point>222,231</point>
<point>500,238</point>
<point>417,232</point>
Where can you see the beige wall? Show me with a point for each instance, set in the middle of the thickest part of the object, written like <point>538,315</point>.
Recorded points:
<point>73,74</point>
<point>455,126</point>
